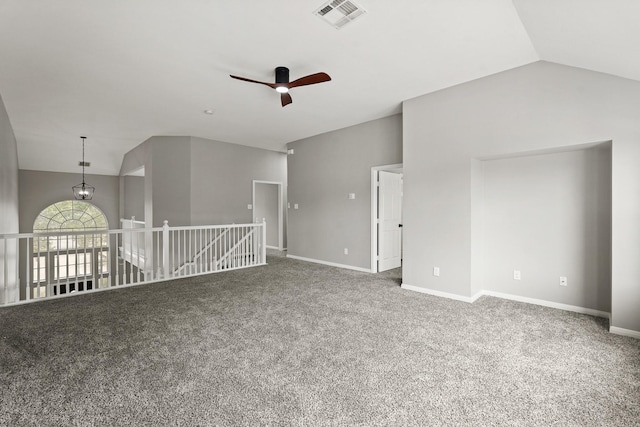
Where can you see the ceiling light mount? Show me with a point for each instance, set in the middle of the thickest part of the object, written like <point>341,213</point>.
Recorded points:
<point>83,191</point>
<point>282,79</point>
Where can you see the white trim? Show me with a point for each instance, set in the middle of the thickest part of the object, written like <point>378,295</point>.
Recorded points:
<point>624,332</point>
<point>374,211</point>
<point>551,304</point>
<point>437,293</point>
<point>273,247</point>
<point>534,301</point>
<point>332,264</point>
<point>280,209</point>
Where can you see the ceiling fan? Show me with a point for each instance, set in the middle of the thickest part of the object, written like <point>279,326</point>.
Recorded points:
<point>282,84</point>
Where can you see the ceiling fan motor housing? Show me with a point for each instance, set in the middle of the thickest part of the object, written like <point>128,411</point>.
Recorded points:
<point>282,75</point>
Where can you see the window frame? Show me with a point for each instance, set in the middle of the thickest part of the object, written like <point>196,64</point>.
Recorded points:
<point>49,251</point>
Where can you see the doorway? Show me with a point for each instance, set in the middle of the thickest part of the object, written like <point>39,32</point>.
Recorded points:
<point>386,217</point>
<point>267,205</point>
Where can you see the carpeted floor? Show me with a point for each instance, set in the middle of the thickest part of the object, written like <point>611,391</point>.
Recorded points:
<point>294,343</point>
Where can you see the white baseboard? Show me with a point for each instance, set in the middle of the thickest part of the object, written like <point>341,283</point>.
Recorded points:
<point>332,264</point>
<point>437,293</point>
<point>551,304</point>
<point>626,332</point>
<point>472,299</point>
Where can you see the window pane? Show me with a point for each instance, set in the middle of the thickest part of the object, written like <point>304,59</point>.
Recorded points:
<point>103,262</point>
<point>59,219</point>
<point>41,223</point>
<point>39,272</point>
<point>73,265</point>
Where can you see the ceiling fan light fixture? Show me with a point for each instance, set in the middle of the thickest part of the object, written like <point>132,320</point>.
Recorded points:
<point>283,84</point>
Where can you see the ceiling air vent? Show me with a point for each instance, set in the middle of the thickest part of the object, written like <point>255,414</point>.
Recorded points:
<point>339,13</point>
<point>85,164</point>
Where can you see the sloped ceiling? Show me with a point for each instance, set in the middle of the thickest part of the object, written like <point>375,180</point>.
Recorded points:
<point>597,35</point>
<point>122,71</point>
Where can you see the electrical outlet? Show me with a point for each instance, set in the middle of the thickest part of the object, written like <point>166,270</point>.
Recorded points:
<point>563,280</point>
<point>352,196</point>
<point>517,275</point>
<point>295,206</point>
<point>249,206</point>
<point>436,271</point>
<point>346,251</point>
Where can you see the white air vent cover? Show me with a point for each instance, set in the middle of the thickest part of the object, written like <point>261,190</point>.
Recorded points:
<point>339,13</point>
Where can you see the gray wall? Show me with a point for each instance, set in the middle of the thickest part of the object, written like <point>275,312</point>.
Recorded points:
<point>171,180</point>
<point>9,204</point>
<point>196,181</point>
<point>540,106</point>
<point>8,175</point>
<point>323,170</point>
<point>133,204</point>
<point>266,206</point>
<point>222,177</point>
<point>549,216</point>
<point>140,156</point>
<point>40,189</point>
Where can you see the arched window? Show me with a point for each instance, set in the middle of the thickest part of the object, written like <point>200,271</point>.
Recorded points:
<point>70,215</point>
<point>71,262</point>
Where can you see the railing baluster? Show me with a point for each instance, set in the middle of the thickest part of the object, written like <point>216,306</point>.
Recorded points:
<point>244,246</point>
<point>173,251</point>
<point>6,273</point>
<point>29,263</point>
<point>118,238</point>
<point>183,255</point>
<point>214,255</point>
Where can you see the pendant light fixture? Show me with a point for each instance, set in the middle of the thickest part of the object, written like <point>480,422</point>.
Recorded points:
<point>83,191</point>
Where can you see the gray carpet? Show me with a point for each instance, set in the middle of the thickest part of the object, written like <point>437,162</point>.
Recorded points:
<point>294,343</point>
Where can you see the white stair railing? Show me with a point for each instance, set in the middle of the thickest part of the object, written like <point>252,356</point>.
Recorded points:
<point>31,269</point>
<point>209,248</point>
<point>214,248</point>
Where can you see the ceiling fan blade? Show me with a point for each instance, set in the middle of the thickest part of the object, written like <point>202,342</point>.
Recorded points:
<point>310,80</point>
<point>271,85</point>
<point>286,99</point>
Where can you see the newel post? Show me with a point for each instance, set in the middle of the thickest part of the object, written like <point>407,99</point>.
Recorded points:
<point>165,249</point>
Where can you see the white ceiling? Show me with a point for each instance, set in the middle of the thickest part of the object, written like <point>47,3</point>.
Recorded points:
<point>121,71</point>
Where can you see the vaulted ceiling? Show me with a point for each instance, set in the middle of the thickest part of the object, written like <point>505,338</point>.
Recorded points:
<point>122,71</point>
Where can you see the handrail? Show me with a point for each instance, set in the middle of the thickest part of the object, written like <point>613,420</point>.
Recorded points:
<point>132,220</point>
<point>78,233</point>
<point>213,227</point>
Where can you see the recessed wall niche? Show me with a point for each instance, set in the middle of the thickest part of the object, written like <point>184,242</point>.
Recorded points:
<point>547,215</point>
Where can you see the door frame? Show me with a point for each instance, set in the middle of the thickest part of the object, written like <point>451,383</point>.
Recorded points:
<point>280,209</point>
<point>374,210</point>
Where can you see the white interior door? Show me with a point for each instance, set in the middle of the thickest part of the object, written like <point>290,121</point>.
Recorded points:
<point>389,220</point>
